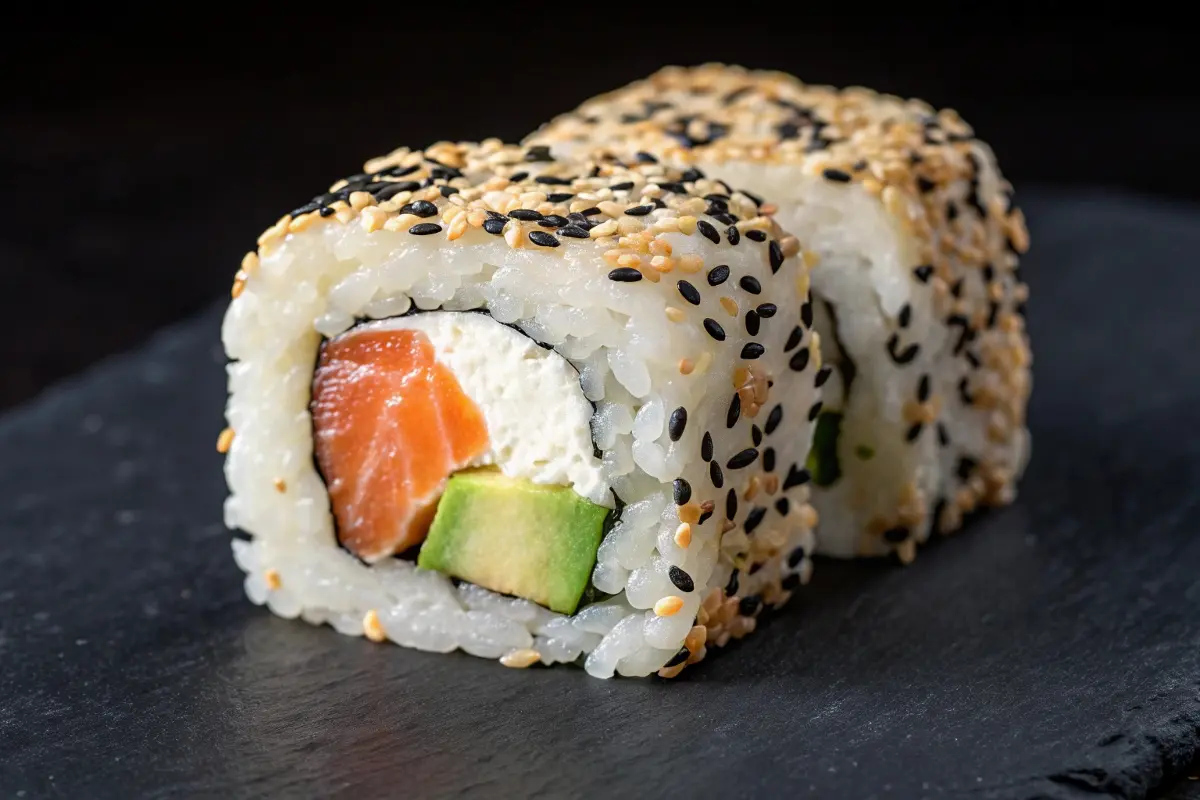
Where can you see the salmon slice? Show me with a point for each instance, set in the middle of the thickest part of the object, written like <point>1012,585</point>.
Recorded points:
<point>390,426</point>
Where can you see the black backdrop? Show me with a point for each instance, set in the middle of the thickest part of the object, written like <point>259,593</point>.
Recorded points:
<point>143,156</point>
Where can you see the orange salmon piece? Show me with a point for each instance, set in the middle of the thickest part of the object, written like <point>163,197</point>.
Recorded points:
<point>391,424</point>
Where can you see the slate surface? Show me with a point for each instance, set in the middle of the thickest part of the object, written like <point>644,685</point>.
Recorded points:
<point>1052,651</point>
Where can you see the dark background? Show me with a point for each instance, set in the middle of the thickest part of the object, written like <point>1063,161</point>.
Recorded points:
<point>142,157</point>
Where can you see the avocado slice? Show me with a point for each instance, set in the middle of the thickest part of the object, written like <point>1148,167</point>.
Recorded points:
<point>515,537</point>
<point>823,462</point>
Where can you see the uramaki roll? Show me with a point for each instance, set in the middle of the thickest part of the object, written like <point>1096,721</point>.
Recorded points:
<point>917,293</point>
<point>539,410</point>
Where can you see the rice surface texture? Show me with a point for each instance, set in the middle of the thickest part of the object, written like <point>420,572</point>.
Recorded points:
<point>917,295</point>
<point>616,333</point>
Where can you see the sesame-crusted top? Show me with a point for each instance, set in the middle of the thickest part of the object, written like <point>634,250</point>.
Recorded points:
<point>539,202</point>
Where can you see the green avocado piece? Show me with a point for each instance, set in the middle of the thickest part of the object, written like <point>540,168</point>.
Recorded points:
<point>515,537</point>
<point>822,461</point>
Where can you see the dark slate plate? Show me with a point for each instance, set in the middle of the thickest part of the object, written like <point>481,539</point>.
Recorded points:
<point>1054,650</point>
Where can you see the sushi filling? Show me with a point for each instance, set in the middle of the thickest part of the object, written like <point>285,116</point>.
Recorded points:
<point>824,463</point>
<point>454,439</point>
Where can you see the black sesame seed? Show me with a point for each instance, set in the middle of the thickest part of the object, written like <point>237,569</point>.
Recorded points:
<point>754,519</point>
<point>691,176</point>
<point>914,431</point>
<point>896,535</point>
<point>517,177</point>
<point>538,152</point>
<point>766,310</point>
<point>543,239</point>
<point>769,459</point>
<point>725,218</point>
<point>735,411</point>
<point>774,418</point>
<point>964,395</point>
<point>326,212</point>
<point>422,208</point>
<point>683,491</point>
<point>624,186</point>
<point>677,423</point>
<point>822,375</point>
<point>743,459</point>
<point>794,339</point>
<point>989,273</point>
<point>750,284</point>
<point>639,211</point>
<point>790,582</point>
<point>775,255</point>
<point>399,172</point>
<point>903,356</point>
<point>447,190</point>
<point>923,272</point>
<point>796,477</point>
<point>752,350</point>
<point>645,158</point>
<point>553,221</point>
<point>559,197</point>
<point>708,231</point>
<point>905,316</point>
<point>683,655</point>
<point>733,235</point>
<point>715,475</point>
<point>689,292</point>
<point>712,326</point>
<point>706,446</point>
<point>705,516</point>
<point>390,190</point>
<point>782,506</point>
<point>525,214</point>
<point>732,587</point>
<point>731,504</point>
<point>924,185</point>
<point>587,212</point>
<point>806,313</point>
<point>424,228</point>
<point>683,582</point>
<point>749,606</point>
<point>836,175</point>
<point>943,435</point>
<point>923,389</point>
<point>799,361</point>
<point>307,208</point>
<point>718,275</point>
<point>552,180</point>
<point>625,275</point>
<point>572,231</point>
<point>966,465</point>
<point>494,225</point>
<point>796,556</point>
<point>814,411</point>
<point>756,435</point>
<point>756,235</point>
<point>956,288</point>
<point>753,323</point>
<point>951,211</point>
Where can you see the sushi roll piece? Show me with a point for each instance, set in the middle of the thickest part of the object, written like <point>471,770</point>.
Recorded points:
<point>916,291</point>
<point>535,409</point>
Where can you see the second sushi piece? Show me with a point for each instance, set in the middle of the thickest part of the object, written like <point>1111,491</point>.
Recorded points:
<point>917,295</point>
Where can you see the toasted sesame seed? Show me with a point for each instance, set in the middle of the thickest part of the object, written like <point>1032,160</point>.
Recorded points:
<point>425,228</point>
<point>225,440</point>
<point>273,578</point>
<point>752,350</point>
<point>743,459</point>
<point>713,328</point>
<point>683,582</point>
<point>683,535</point>
<point>280,485</point>
<point>682,491</point>
<point>372,627</point>
<point>715,475</point>
<point>689,513</point>
<point>686,366</point>
<point>520,659</point>
<point>675,314</point>
<point>729,305</point>
<point>690,264</point>
<point>718,275</point>
<point>625,275</point>
<point>668,606</point>
<point>687,224</point>
<point>689,292</point>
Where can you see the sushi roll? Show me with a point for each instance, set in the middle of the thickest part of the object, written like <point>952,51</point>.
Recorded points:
<point>916,291</point>
<point>539,410</point>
